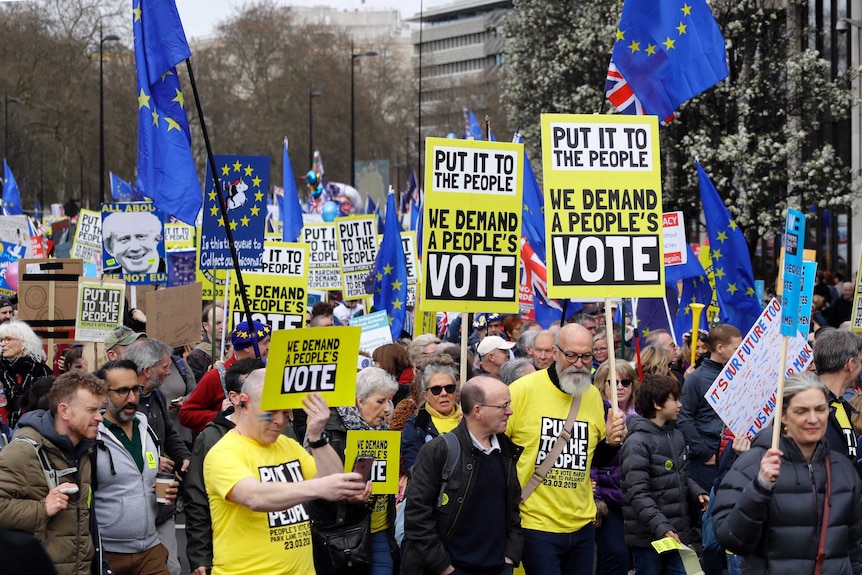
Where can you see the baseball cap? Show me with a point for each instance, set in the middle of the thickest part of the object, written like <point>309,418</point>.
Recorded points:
<point>492,342</point>
<point>122,335</point>
<point>241,337</point>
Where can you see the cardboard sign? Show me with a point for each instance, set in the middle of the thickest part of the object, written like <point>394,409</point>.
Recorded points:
<point>324,272</point>
<point>100,308</point>
<point>744,393</point>
<point>385,447</point>
<point>794,240</point>
<point>375,330</point>
<point>179,236</point>
<point>133,242</point>
<point>357,250</point>
<point>315,359</point>
<point>603,206</point>
<point>472,218</point>
<point>87,244</point>
<point>278,295</point>
<point>172,318</point>
<point>48,296</point>
<point>673,230</point>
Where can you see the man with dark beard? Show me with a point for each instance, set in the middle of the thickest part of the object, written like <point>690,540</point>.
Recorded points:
<point>559,534</point>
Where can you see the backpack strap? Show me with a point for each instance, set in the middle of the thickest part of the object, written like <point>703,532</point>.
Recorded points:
<point>53,477</point>
<point>453,448</point>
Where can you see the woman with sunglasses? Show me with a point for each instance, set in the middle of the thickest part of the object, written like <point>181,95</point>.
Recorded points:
<point>22,363</point>
<point>440,412</point>
<point>611,551</point>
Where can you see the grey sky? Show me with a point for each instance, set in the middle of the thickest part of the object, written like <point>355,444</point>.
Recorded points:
<point>200,17</point>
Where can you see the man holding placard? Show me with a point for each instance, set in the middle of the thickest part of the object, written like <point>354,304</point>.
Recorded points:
<point>557,509</point>
<point>257,481</point>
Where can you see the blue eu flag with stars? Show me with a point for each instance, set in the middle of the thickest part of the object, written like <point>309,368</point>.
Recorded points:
<point>731,262</point>
<point>390,272</point>
<point>668,51</point>
<point>166,167</point>
<point>11,193</point>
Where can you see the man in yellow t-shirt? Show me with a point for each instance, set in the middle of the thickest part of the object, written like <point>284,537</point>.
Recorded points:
<point>557,518</point>
<point>257,481</point>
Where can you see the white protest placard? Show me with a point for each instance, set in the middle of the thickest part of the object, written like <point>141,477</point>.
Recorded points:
<point>673,231</point>
<point>87,244</point>
<point>100,308</point>
<point>284,258</point>
<point>323,269</point>
<point>744,393</point>
<point>16,230</point>
<point>375,330</point>
<point>357,250</point>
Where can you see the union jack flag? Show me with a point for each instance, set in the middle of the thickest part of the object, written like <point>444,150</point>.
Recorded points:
<point>620,94</point>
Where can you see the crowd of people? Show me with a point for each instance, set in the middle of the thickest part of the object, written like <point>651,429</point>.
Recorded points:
<point>539,456</point>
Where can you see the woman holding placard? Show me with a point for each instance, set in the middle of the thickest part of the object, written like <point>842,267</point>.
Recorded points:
<point>796,509</point>
<point>374,390</point>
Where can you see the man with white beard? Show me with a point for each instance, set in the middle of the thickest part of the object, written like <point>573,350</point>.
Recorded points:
<point>557,519</point>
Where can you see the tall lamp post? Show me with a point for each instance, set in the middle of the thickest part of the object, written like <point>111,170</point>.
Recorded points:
<point>353,57</point>
<point>6,101</point>
<point>311,97</point>
<point>102,40</point>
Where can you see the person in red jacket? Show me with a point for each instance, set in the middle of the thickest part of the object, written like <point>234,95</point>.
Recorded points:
<point>208,398</point>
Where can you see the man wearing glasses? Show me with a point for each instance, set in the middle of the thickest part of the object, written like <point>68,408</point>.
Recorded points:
<point>464,529</point>
<point>559,535</point>
<point>127,460</point>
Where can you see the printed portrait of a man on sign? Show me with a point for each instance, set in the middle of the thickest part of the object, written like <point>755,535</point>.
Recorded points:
<point>133,243</point>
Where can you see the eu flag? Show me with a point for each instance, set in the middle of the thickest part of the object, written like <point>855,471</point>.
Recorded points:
<point>166,167</point>
<point>654,313</point>
<point>11,194</point>
<point>390,272</point>
<point>291,209</point>
<point>122,190</point>
<point>472,129</point>
<point>734,276</point>
<point>668,52</point>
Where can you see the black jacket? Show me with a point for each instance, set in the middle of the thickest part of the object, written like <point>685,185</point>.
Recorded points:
<point>418,431</point>
<point>656,486</point>
<point>698,421</point>
<point>778,531</point>
<point>427,527</point>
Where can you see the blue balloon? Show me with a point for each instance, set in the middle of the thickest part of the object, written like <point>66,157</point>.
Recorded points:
<point>330,211</point>
<point>452,136</point>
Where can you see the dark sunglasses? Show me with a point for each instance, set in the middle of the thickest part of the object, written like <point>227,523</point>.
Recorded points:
<point>623,382</point>
<point>438,389</point>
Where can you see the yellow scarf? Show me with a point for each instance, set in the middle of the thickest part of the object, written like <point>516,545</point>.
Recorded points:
<point>444,423</point>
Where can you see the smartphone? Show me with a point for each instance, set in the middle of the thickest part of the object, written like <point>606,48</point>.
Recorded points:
<point>362,466</point>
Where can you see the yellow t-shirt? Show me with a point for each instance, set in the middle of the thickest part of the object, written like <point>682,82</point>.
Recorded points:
<point>247,542</point>
<point>379,519</point>
<point>563,503</point>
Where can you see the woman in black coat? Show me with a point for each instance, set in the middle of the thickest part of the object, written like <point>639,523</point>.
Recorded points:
<point>22,363</point>
<point>770,506</point>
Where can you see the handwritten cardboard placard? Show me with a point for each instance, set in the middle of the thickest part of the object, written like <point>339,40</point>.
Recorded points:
<point>174,316</point>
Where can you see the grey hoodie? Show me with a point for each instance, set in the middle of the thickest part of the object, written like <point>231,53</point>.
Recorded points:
<point>125,497</point>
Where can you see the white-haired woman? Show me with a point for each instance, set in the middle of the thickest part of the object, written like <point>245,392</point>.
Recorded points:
<point>22,363</point>
<point>374,391</point>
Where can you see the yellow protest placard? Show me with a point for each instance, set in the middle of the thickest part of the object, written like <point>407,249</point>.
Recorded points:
<point>277,295</point>
<point>603,208</point>
<point>385,447</point>
<point>179,236</point>
<point>315,359</point>
<point>472,225</point>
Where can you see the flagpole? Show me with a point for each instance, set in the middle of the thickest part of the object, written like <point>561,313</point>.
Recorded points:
<point>221,204</point>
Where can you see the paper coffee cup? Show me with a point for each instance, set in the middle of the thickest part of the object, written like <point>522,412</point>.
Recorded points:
<point>163,481</point>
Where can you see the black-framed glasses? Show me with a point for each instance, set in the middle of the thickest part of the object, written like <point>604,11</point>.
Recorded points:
<point>623,382</point>
<point>438,389</point>
<point>125,391</point>
<point>572,357</point>
<point>503,406</point>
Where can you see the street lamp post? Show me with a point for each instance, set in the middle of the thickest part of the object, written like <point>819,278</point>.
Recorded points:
<point>311,97</point>
<point>353,57</point>
<point>102,40</point>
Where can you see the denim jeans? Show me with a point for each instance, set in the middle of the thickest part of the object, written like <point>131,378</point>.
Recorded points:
<point>559,553</point>
<point>713,553</point>
<point>381,554</point>
<point>648,562</point>
<point>611,551</point>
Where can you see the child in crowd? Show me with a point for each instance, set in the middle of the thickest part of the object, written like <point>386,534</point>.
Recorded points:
<point>656,486</point>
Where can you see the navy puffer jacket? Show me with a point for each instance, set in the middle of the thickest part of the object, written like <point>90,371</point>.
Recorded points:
<point>778,531</point>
